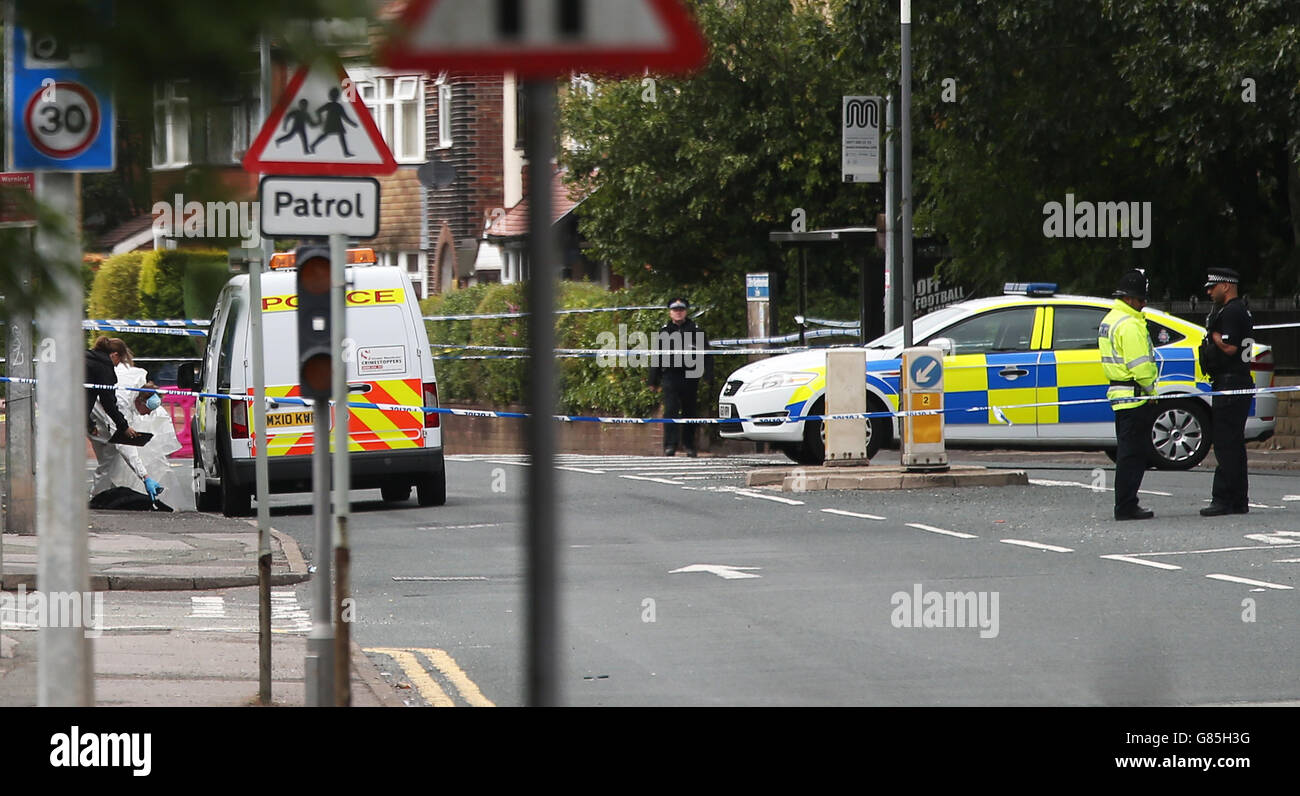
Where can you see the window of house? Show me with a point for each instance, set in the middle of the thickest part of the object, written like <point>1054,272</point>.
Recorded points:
<point>171,124</point>
<point>231,124</point>
<point>397,104</point>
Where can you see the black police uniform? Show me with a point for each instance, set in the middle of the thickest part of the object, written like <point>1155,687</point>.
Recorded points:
<point>680,376</point>
<point>1229,372</point>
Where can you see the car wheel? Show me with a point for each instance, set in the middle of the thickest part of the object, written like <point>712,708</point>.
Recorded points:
<point>813,448</point>
<point>1180,434</point>
<point>395,493</point>
<point>431,490</point>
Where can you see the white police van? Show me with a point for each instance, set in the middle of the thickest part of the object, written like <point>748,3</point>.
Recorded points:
<point>388,362</point>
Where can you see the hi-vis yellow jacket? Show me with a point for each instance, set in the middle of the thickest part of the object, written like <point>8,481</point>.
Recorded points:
<point>1127,356</point>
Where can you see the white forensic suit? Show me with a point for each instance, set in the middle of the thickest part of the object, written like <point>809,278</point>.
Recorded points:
<point>130,465</point>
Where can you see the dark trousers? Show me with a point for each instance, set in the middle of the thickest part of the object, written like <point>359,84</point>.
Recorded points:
<point>681,399</point>
<point>1133,433</point>
<point>1230,480</point>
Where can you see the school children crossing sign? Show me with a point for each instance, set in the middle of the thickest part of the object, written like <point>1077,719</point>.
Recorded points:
<point>547,38</point>
<point>320,126</point>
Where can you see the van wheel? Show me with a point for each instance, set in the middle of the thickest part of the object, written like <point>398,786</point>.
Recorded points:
<point>431,490</point>
<point>210,498</point>
<point>395,493</point>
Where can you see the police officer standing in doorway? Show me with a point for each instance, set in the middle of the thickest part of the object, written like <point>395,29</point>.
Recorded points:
<point>679,373</point>
<point>1130,364</point>
<point>1224,356</point>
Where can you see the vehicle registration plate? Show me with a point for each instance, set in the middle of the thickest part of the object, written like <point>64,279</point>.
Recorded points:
<point>724,410</point>
<point>283,419</point>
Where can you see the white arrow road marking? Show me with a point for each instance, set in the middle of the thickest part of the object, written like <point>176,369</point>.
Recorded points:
<point>721,570</point>
<point>1038,545</point>
<point>1275,537</point>
<point>1133,560</point>
<point>1249,582</point>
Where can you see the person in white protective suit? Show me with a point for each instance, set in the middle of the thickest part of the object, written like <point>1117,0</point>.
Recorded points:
<point>142,469</point>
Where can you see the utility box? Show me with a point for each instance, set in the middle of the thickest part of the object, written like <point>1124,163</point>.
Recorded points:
<point>922,434</point>
<point>846,393</point>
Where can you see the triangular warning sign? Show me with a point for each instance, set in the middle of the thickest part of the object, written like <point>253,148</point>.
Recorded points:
<point>320,126</point>
<point>545,38</point>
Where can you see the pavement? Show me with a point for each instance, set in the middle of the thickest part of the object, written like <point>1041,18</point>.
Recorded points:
<point>134,558</point>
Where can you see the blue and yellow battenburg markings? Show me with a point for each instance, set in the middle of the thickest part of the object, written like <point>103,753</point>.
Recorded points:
<point>978,380</point>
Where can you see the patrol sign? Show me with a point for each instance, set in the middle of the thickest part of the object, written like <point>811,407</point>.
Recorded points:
<point>58,114</point>
<point>319,206</point>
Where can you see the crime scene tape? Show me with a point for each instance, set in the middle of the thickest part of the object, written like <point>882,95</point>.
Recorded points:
<point>647,420</point>
<point>169,322</point>
<point>787,338</point>
<point>92,326</point>
<point>624,352</point>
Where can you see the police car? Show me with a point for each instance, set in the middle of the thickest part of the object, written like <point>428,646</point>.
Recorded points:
<point>390,363</point>
<point>1029,346</point>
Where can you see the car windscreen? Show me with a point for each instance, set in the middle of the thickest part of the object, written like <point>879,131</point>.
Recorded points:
<point>921,327</point>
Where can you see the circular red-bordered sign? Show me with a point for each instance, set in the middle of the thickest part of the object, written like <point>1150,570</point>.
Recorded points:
<point>65,126</point>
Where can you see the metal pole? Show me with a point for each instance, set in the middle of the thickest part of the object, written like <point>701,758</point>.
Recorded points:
<point>261,473</point>
<point>342,470</point>
<point>20,419</point>
<point>905,126</point>
<point>894,293</point>
<point>65,671</point>
<point>543,611</point>
<point>320,642</point>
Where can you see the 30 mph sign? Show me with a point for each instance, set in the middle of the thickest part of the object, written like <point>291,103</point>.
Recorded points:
<point>62,119</point>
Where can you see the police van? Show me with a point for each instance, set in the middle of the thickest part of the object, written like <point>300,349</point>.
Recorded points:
<point>388,362</point>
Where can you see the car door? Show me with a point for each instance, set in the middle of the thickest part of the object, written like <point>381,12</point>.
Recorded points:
<point>993,368</point>
<point>1072,372</point>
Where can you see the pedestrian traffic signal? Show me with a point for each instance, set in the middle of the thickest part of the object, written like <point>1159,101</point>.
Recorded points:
<point>315,358</point>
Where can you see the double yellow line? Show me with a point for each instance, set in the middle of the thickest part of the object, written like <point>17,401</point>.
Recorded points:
<point>428,687</point>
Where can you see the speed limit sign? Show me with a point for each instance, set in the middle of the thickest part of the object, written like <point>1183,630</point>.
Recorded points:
<point>62,119</point>
<point>58,103</point>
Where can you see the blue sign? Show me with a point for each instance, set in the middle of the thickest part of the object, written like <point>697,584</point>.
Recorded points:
<point>58,113</point>
<point>756,287</point>
<point>925,371</point>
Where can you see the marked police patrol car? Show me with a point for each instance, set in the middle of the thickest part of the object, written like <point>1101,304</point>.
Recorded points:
<point>390,363</point>
<point>1029,346</point>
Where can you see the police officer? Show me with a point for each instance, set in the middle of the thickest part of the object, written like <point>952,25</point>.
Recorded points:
<point>1130,364</point>
<point>1224,356</point>
<point>679,373</point>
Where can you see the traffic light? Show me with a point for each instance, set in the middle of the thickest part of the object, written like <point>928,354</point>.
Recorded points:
<point>315,357</point>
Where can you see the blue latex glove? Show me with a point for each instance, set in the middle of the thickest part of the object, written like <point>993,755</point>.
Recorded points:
<point>153,487</point>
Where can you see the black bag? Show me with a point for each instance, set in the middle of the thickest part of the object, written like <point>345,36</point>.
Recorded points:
<point>119,498</point>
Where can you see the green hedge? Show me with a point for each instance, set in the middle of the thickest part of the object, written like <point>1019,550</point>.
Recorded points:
<point>155,285</point>
<point>587,386</point>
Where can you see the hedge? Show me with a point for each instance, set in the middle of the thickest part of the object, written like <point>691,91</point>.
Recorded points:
<point>587,386</point>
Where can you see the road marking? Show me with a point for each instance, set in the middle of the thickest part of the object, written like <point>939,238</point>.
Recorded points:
<point>1090,487</point>
<point>721,570</point>
<point>1223,549</point>
<point>1038,545</point>
<point>469,691</point>
<point>933,529</point>
<point>425,685</point>
<point>773,498</point>
<point>647,478</point>
<point>1291,497</point>
<point>580,470</point>
<point>438,577</point>
<point>1133,560</point>
<point>1275,538</point>
<point>1249,582</point>
<point>852,514</point>
<point>459,527</point>
<point>208,607</point>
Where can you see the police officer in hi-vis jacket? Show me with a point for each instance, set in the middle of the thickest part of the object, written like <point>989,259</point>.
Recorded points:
<point>1130,364</point>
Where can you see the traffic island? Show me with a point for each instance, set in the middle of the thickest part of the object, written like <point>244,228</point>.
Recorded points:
<point>813,479</point>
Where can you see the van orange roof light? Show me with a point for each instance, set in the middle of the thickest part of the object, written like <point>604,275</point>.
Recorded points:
<point>283,260</point>
<point>362,257</point>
